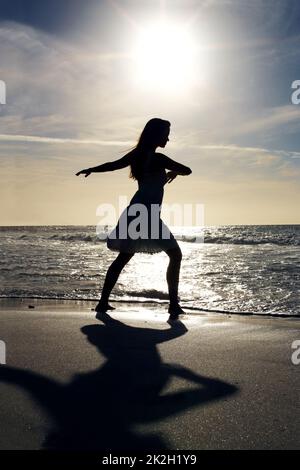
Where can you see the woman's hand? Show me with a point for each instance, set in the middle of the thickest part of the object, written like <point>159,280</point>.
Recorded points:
<point>170,176</point>
<point>85,172</point>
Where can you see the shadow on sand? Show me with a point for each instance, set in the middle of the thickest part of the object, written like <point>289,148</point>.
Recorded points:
<point>99,409</point>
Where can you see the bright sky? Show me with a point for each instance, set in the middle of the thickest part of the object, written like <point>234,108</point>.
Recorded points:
<point>83,78</point>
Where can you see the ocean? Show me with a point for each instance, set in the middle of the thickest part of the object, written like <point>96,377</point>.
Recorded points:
<point>238,269</point>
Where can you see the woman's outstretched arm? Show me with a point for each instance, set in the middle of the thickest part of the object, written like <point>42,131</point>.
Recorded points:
<point>174,166</point>
<point>109,166</point>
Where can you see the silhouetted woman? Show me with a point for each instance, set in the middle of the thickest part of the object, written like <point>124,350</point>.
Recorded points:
<point>149,169</point>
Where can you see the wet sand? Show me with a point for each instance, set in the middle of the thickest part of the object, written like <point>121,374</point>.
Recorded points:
<point>133,381</point>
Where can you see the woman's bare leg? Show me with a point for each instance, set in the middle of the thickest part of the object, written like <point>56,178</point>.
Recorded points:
<point>111,278</point>
<point>173,271</point>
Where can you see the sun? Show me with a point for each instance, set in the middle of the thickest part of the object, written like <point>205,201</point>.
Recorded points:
<point>164,57</point>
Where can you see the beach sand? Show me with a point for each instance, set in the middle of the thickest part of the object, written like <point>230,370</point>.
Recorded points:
<point>133,381</point>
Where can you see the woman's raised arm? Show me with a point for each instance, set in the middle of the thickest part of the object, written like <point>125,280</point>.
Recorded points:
<point>109,166</point>
<point>174,166</point>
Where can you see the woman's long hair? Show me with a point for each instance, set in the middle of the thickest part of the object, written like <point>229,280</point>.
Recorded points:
<point>149,138</point>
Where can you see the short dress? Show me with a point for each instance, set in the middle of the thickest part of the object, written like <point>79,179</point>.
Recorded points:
<point>140,228</point>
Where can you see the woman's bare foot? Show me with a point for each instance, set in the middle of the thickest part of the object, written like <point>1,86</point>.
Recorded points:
<point>103,306</point>
<point>101,310</point>
<point>175,311</point>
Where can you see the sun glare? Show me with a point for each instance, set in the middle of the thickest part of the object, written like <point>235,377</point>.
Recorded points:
<point>164,56</point>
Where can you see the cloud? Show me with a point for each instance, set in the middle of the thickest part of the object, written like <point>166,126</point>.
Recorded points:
<point>252,150</point>
<point>68,107</point>
<point>56,140</point>
<point>235,164</point>
<point>58,89</point>
<point>271,120</point>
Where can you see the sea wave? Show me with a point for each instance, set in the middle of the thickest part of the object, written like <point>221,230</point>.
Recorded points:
<point>207,239</point>
<point>192,309</point>
<point>80,237</point>
<point>251,241</point>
